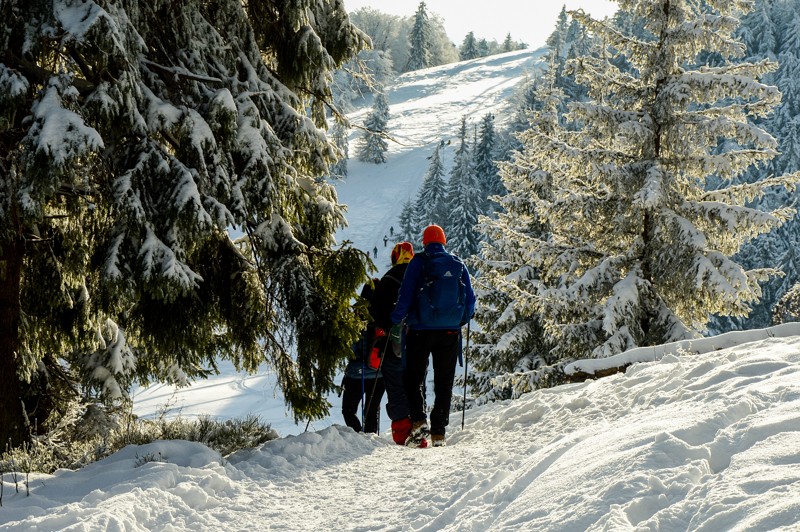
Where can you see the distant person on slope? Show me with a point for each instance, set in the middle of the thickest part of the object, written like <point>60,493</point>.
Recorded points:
<point>435,301</point>
<point>363,382</point>
<point>393,364</point>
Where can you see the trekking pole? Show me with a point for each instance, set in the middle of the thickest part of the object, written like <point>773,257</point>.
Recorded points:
<point>464,408</point>
<point>375,384</point>
<point>363,370</point>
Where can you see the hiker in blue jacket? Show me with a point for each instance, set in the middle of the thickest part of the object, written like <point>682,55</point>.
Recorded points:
<point>435,301</point>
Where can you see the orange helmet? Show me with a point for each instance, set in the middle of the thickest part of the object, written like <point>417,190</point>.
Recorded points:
<point>402,252</point>
<point>433,233</point>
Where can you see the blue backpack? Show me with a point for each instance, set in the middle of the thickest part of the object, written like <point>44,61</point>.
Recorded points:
<point>442,298</point>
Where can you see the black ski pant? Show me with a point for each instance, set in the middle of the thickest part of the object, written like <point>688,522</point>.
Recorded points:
<point>352,397</point>
<point>443,348</point>
<point>392,371</point>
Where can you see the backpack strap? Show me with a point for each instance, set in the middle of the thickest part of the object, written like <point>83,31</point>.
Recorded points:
<point>393,278</point>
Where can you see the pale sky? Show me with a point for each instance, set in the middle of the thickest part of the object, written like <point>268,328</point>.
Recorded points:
<point>531,21</point>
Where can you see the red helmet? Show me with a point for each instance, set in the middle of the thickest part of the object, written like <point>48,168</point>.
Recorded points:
<point>433,233</point>
<point>402,253</point>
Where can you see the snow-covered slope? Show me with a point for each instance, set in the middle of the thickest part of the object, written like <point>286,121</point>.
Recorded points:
<point>691,442</point>
<point>425,108</point>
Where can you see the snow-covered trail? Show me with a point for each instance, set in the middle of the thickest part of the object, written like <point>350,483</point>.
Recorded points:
<point>691,442</point>
<point>686,443</point>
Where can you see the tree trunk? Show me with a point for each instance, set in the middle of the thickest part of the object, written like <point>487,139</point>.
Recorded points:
<point>12,417</point>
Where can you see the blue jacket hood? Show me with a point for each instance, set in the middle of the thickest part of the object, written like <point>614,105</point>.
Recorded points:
<point>434,247</point>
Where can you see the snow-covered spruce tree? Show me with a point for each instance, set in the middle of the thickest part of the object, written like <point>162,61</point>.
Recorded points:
<point>464,200</point>
<point>409,229</point>
<point>508,44</point>
<point>757,31</point>
<point>569,40</point>
<point>419,55</point>
<point>523,102</point>
<point>132,136</point>
<point>639,252</point>
<point>511,354</point>
<point>469,48</point>
<point>557,40</point>
<point>373,146</point>
<point>483,48</point>
<point>484,157</point>
<point>772,30</point>
<point>431,204</point>
<point>338,135</point>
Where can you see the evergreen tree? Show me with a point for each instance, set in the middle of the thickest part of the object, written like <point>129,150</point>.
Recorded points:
<point>633,230</point>
<point>508,44</point>
<point>511,353</point>
<point>790,147</point>
<point>570,40</point>
<point>772,30</point>
<point>483,48</point>
<point>410,229</point>
<point>758,32</point>
<point>787,81</point>
<point>469,48</point>
<point>420,41</point>
<point>373,145</point>
<point>556,40</point>
<point>790,35</point>
<point>579,42</point>
<point>484,156</point>
<point>133,136</point>
<point>431,205</point>
<point>338,134</point>
<point>463,200</point>
<point>524,102</point>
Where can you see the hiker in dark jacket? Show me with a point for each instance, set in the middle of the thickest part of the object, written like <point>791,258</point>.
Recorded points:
<point>381,306</point>
<point>362,383</point>
<point>435,301</point>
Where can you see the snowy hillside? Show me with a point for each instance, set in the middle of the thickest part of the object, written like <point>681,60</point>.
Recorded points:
<point>426,107</point>
<point>705,441</point>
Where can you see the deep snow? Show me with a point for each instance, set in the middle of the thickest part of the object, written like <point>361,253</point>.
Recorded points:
<point>694,436</point>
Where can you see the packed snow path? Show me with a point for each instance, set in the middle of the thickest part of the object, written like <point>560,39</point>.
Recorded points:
<point>692,442</point>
